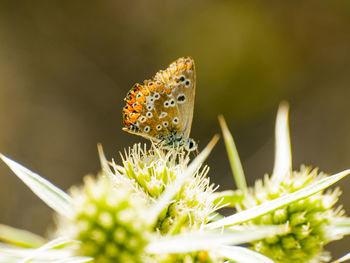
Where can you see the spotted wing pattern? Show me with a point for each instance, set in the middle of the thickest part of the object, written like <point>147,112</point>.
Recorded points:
<point>181,77</point>
<point>163,106</point>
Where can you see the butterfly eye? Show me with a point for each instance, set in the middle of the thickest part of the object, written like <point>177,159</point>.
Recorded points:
<point>149,107</point>
<point>176,120</point>
<point>172,102</point>
<point>166,104</point>
<point>165,123</point>
<point>139,95</point>
<point>159,127</point>
<point>191,145</point>
<point>147,129</point>
<point>187,83</point>
<point>149,114</point>
<point>182,78</point>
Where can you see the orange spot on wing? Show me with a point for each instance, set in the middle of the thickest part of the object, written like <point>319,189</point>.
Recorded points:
<point>127,122</point>
<point>134,117</point>
<point>131,101</point>
<point>145,92</point>
<point>167,90</point>
<point>138,107</point>
<point>190,66</point>
<point>182,66</point>
<point>128,110</point>
<point>152,88</point>
<point>160,88</point>
<point>142,99</point>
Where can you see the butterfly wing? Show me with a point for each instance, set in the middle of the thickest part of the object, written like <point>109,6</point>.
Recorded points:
<point>151,111</point>
<point>162,106</point>
<point>180,77</point>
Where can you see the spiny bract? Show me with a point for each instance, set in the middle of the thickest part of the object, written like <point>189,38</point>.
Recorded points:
<point>308,219</point>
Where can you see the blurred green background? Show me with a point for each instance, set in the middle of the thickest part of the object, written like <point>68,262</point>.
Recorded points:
<point>65,67</point>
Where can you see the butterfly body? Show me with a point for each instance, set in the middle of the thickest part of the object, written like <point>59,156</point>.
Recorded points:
<point>162,108</point>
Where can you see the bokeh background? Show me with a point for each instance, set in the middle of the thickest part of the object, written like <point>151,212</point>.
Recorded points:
<point>65,67</point>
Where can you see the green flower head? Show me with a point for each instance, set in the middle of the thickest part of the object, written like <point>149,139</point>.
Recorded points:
<point>108,221</point>
<point>310,220</point>
<point>150,172</point>
<point>295,199</point>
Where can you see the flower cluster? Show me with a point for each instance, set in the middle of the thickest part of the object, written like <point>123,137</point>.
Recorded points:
<point>158,206</point>
<point>108,221</point>
<point>152,171</point>
<point>310,219</point>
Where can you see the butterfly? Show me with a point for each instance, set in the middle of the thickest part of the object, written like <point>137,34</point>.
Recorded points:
<point>161,109</point>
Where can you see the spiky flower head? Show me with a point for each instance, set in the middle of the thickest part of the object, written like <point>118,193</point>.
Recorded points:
<point>310,220</point>
<point>112,213</point>
<point>108,220</point>
<point>150,172</point>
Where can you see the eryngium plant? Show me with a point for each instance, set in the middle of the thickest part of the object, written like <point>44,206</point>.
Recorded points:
<point>313,221</point>
<point>158,206</point>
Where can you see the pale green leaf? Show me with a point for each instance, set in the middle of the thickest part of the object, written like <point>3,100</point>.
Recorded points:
<point>272,205</point>
<point>283,152</point>
<point>243,255</point>
<point>10,254</point>
<point>105,166</point>
<point>74,260</point>
<point>50,245</point>
<point>341,227</point>
<point>20,237</point>
<point>227,198</point>
<point>46,191</point>
<point>200,240</point>
<point>235,162</point>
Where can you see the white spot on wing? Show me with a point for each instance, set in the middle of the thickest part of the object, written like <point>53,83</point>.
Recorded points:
<point>142,119</point>
<point>163,115</point>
